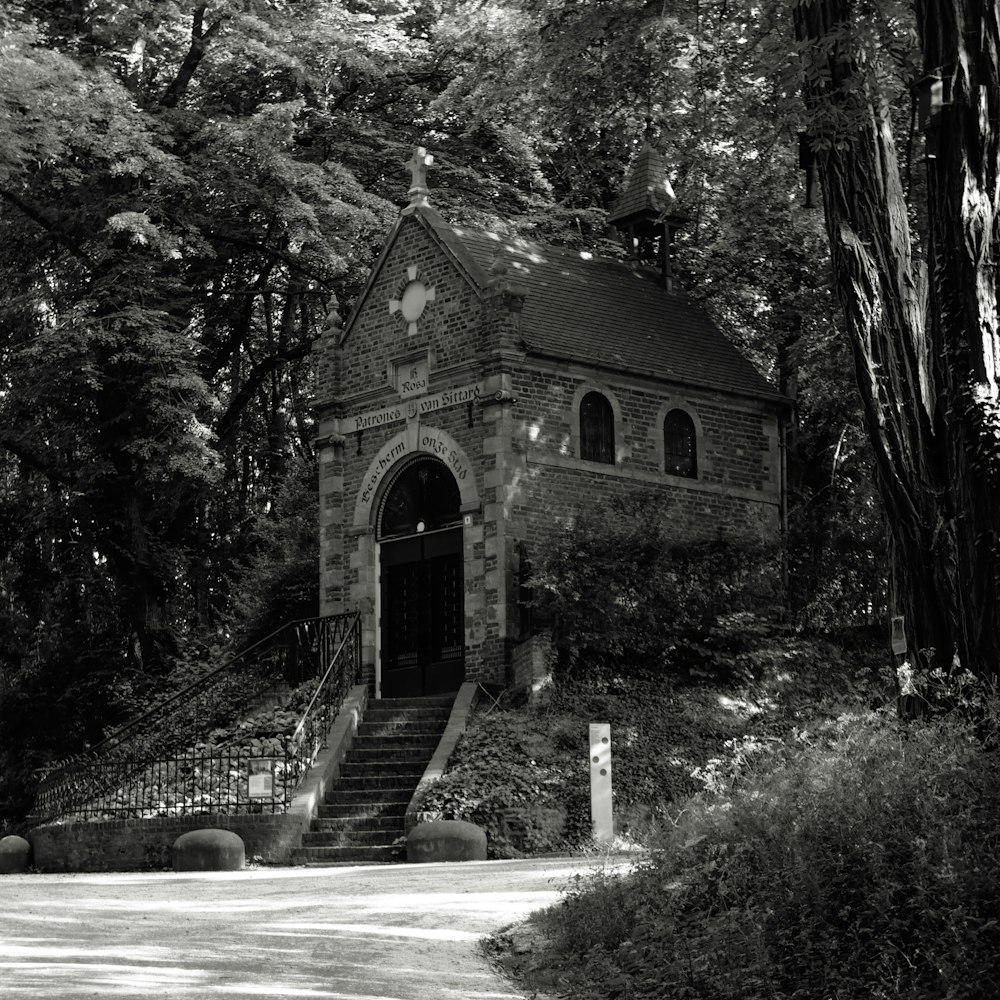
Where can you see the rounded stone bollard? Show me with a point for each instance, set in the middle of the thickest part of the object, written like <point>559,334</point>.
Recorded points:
<point>446,840</point>
<point>15,855</point>
<point>209,851</point>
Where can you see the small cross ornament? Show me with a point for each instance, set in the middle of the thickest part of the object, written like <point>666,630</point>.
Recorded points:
<point>418,165</point>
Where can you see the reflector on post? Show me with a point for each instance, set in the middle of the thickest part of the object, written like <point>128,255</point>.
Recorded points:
<point>601,815</point>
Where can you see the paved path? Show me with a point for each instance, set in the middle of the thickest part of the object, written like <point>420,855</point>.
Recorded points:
<point>395,932</point>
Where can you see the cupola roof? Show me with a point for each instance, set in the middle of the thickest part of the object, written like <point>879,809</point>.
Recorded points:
<point>647,195</point>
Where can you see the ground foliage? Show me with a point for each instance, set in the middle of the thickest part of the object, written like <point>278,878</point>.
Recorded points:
<point>517,766</point>
<point>205,766</point>
<point>860,860</point>
<point>620,592</point>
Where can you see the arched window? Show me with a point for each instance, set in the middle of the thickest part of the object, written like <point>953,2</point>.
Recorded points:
<point>422,496</point>
<point>680,455</point>
<point>597,429</point>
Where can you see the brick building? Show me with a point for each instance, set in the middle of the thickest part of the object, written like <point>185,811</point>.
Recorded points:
<point>483,387</point>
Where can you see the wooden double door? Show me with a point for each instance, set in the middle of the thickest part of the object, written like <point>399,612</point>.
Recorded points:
<point>422,614</point>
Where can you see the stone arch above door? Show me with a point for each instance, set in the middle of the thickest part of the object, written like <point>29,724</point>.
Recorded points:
<point>422,495</point>
<point>412,441</point>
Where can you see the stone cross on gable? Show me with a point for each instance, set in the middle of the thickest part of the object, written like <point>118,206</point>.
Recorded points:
<point>418,165</point>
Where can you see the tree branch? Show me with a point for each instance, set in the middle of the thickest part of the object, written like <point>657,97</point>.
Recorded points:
<point>273,254</point>
<point>49,226</point>
<point>200,37</point>
<point>254,380</point>
<point>20,449</point>
<point>240,321</point>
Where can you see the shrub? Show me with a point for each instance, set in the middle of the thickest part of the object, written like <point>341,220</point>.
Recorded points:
<point>276,581</point>
<point>534,760</point>
<point>623,593</point>
<point>862,865</point>
<point>668,741</point>
<point>500,766</point>
<point>657,737</point>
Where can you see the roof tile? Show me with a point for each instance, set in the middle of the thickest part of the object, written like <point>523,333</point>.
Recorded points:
<point>610,314</point>
<point>647,191</point>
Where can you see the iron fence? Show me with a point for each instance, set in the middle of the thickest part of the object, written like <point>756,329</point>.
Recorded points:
<point>164,763</point>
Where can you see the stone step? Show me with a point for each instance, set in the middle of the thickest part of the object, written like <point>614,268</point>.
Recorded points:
<point>375,741</point>
<point>357,805</point>
<point>400,727</point>
<point>375,801</point>
<point>397,790</point>
<point>335,855</point>
<point>364,812</point>
<point>352,838</point>
<point>409,766</point>
<point>361,810</point>
<point>347,824</point>
<point>375,781</point>
<point>432,701</point>
<point>433,716</point>
<point>375,756</point>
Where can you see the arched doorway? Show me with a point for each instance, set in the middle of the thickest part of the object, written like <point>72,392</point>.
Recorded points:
<point>422,607</point>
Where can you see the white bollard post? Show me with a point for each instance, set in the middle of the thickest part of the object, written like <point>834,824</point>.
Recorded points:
<point>601,817</point>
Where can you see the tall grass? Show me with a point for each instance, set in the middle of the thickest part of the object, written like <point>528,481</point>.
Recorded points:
<point>865,864</point>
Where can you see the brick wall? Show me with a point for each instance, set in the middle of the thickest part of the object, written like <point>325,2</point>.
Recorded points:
<point>532,662</point>
<point>448,330</point>
<point>734,495</point>
<point>146,844</point>
<point>738,439</point>
<point>735,492</point>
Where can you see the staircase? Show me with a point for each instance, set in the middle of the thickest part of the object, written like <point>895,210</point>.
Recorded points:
<point>364,811</point>
<point>170,762</point>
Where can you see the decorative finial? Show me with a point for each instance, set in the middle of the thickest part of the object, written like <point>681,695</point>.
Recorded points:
<point>648,133</point>
<point>418,165</point>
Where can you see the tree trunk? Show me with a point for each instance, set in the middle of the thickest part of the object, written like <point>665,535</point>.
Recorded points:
<point>924,360</point>
<point>200,37</point>
<point>961,42</point>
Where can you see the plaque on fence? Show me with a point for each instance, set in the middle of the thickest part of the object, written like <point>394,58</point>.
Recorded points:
<point>260,782</point>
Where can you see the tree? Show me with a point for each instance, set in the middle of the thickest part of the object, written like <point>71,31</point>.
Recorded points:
<point>917,279</point>
<point>188,192</point>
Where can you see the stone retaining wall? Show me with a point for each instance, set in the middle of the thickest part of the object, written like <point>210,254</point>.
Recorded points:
<point>145,844</point>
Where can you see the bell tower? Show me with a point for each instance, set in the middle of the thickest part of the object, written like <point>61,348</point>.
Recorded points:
<point>645,213</point>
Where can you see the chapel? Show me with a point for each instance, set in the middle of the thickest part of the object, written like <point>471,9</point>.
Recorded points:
<point>484,388</point>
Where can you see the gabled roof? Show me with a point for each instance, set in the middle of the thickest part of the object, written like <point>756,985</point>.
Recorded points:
<point>594,310</point>
<point>427,217</point>
<point>610,314</point>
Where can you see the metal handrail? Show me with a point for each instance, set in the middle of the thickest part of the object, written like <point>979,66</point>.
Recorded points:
<point>202,681</point>
<point>82,785</point>
<point>319,690</point>
<point>329,694</point>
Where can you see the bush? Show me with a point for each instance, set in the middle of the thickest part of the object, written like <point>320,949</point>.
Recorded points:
<point>500,765</point>
<point>668,740</point>
<point>619,589</point>
<point>658,739</point>
<point>534,761</point>
<point>863,865</point>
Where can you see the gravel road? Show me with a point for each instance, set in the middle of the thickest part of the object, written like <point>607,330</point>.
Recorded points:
<point>393,932</point>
